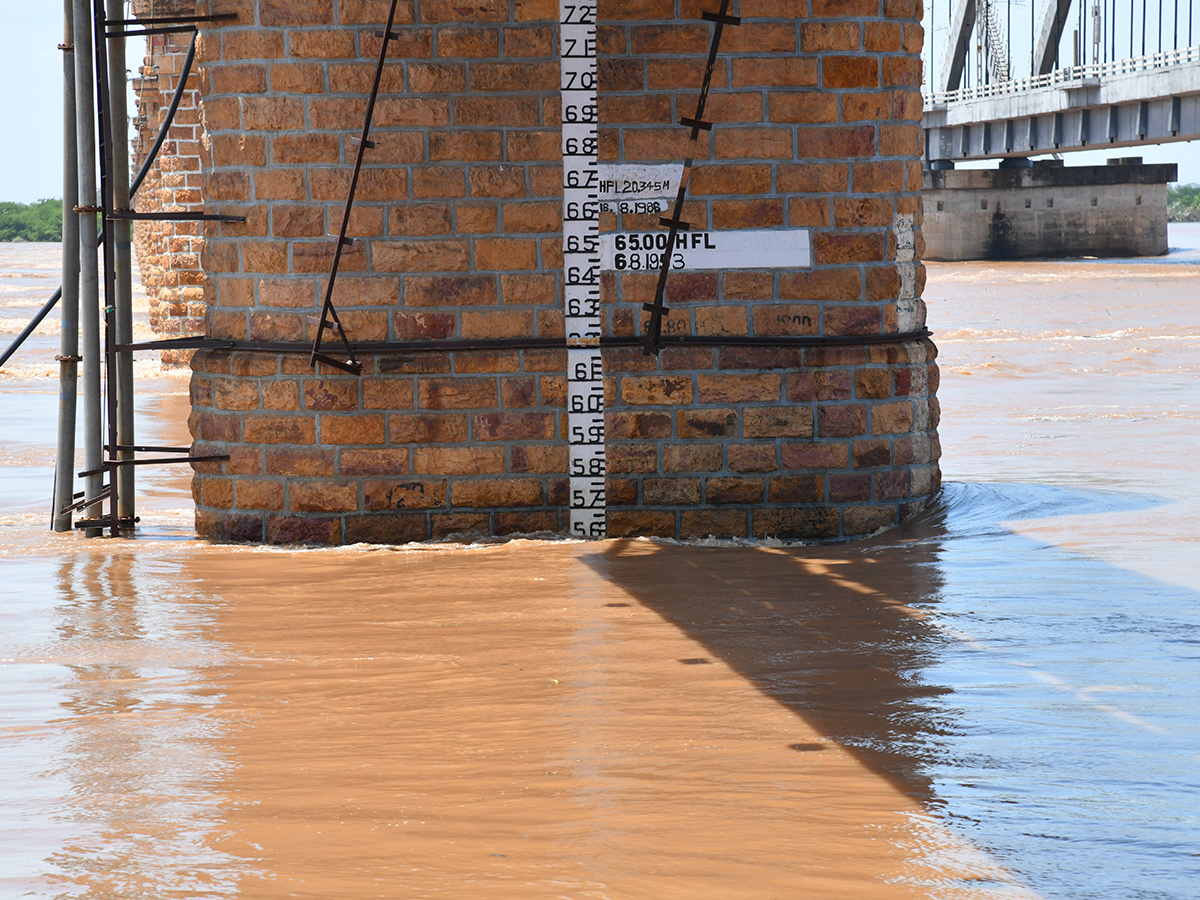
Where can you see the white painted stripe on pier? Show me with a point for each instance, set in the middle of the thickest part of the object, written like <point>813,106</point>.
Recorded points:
<point>581,266</point>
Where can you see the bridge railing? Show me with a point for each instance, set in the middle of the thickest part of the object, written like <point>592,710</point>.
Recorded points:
<point>1066,77</point>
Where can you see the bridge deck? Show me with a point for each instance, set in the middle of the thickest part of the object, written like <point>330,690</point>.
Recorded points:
<point>1147,100</point>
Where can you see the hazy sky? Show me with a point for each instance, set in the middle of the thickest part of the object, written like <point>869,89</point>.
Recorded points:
<point>31,106</point>
<point>30,100</point>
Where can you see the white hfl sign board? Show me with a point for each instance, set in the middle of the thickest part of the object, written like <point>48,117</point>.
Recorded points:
<point>638,188</point>
<point>758,249</point>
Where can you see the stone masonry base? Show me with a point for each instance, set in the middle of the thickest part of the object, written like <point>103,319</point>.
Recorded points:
<point>819,443</point>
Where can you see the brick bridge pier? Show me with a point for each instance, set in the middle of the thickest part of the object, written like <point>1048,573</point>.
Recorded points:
<point>800,402</point>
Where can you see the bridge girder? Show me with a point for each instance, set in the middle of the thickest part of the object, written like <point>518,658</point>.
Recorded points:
<point>1127,110</point>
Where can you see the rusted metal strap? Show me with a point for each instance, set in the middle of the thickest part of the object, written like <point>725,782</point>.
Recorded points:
<point>534,343</point>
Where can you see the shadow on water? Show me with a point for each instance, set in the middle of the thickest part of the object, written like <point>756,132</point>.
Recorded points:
<point>1038,695</point>
<point>807,627</point>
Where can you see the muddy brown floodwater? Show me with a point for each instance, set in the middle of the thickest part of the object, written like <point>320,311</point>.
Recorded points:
<point>922,714</point>
<point>531,719</point>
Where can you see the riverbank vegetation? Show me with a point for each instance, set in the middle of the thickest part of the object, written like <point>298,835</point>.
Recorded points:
<point>41,221</point>
<point>1183,203</point>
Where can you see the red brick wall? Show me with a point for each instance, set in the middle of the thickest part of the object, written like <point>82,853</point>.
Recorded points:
<point>169,253</point>
<point>817,111</point>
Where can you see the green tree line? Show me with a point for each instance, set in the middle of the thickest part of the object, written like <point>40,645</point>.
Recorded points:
<point>1183,203</point>
<point>41,221</point>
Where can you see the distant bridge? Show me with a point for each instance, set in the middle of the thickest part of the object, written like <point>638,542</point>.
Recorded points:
<point>1110,100</point>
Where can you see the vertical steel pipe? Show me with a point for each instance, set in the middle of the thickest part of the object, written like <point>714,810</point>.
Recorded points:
<point>104,131</point>
<point>89,258</point>
<point>122,302</point>
<point>68,360</point>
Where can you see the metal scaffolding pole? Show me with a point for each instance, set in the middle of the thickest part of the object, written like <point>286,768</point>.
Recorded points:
<point>104,130</point>
<point>122,302</point>
<point>68,360</point>
<point>89,259</point>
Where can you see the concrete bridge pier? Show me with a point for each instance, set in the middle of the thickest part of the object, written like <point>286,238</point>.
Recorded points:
<point>1046,209</point>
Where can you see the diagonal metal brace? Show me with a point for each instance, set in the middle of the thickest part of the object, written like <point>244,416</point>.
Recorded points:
<point>675,224</point>
<point>103,495</point>
<point>329,317</point>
